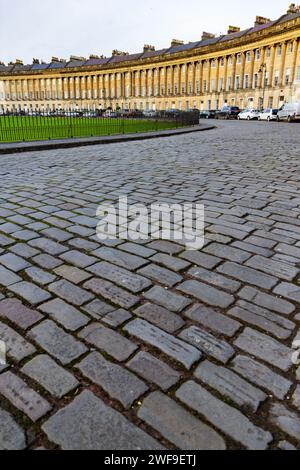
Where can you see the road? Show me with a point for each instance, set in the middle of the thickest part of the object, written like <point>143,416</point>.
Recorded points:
<point>121,345</point>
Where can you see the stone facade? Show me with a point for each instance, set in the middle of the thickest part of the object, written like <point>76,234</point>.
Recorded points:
<point>258,67</point>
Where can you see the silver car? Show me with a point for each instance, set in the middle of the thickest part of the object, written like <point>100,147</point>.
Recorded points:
<point>249,114</point>
<point>268,115</point>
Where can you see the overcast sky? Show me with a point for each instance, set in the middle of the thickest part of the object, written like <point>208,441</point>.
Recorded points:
<point>46,28</point>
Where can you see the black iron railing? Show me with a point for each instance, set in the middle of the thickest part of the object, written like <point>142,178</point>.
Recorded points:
<point>45,125</point>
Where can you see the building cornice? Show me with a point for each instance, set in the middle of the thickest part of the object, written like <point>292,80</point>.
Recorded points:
<point>267,36</point>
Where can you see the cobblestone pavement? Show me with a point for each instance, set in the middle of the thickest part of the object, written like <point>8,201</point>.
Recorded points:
<point>148,346</point>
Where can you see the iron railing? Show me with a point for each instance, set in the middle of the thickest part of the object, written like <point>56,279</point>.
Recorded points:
<point>44,125</point>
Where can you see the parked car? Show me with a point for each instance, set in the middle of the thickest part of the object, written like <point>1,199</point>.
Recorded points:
<point>171,113</point>
<point>268,115</point>
<point>208,114</point>
<point>249,114</point>
<point>228,112</point>
<point>135,113</point>
<point>150,113</point>
<point>289,112</point>
<point>110,114</point>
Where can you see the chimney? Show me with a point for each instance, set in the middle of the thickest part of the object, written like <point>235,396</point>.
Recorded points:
<point>19,62</point>
<point>293,8</point>
<point>148,48</point>
<point>2,63</point>
<point>55,60</point>
<point>260,20</point>
<point>74,57</point>
<point>176,42</point>
<point>115,53</point>
<point>94,56</point>
<point>206,35</point>
<point>233,29</point>
<point>35,61</point>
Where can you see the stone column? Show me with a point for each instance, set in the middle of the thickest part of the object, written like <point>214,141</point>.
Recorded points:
<point>217,73</point>
<point>201,77</point>
<point>243,70</point>
<point>296,52</point>
<point>251,78</point>
<point>283,61</point>
<point>208,76</point>
<point>271,72</point>
<point>225,73</point>
<point>196,76</point>
<point>166,81</point>
<point>233,72</point>
<point>187,75</point>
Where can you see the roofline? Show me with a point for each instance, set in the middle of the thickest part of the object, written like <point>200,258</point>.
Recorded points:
<point>271,29</point>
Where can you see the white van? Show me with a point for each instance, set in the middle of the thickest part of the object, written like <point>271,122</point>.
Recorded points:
<point>289,112</point>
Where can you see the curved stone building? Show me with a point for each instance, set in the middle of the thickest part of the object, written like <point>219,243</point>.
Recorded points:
<point>257,67</point>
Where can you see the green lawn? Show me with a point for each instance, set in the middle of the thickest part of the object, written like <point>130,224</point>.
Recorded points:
<point>29,128</point>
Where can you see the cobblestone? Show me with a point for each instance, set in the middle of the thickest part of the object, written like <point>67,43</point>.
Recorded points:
<point>286,420</point>
<point>88,424</point>
<point>30,292</point>
<point>120,258</point>
<point>56,342</point>
<point>262,376</point>
<point>7,278</point>
<point>119,383</point>
<point>280,270</point>
<point>67,298</point>
<point>16,312</point>
<point>275,324</point>
<point>12,437</point>
<point>98,309</point>
<point>117,318</point>
<point>248,275</point>
<point>231,385</point>
<point>175,348</point>
<point>16,346</point>
<point>201,259</point>
<point>208,344</point>
<point>40,276</point>
<point>71,293</point>
<point>296,398</point>
<point>288,291</point>
<point>227,252</point>
<point>177,425</point>
<point>109,341</point>
<point>13,262</point>
<point>265,348</point>
<point>207,294</point>
<point>266,301</point>
<point>78,259</point>
<point>174,302</point>
<point>170,262</point>
<point>72,274</point>
<point>161,275</point>
<point>159,316</point>
<point>154,370</point>
<point>65,314</point>
<point>130,281</point>
<point>22,397</point>
<point>50,376</point>
<point>224,417</point>
<point>214,278</point>
<point>213,320</point>
<point>47,261</point>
